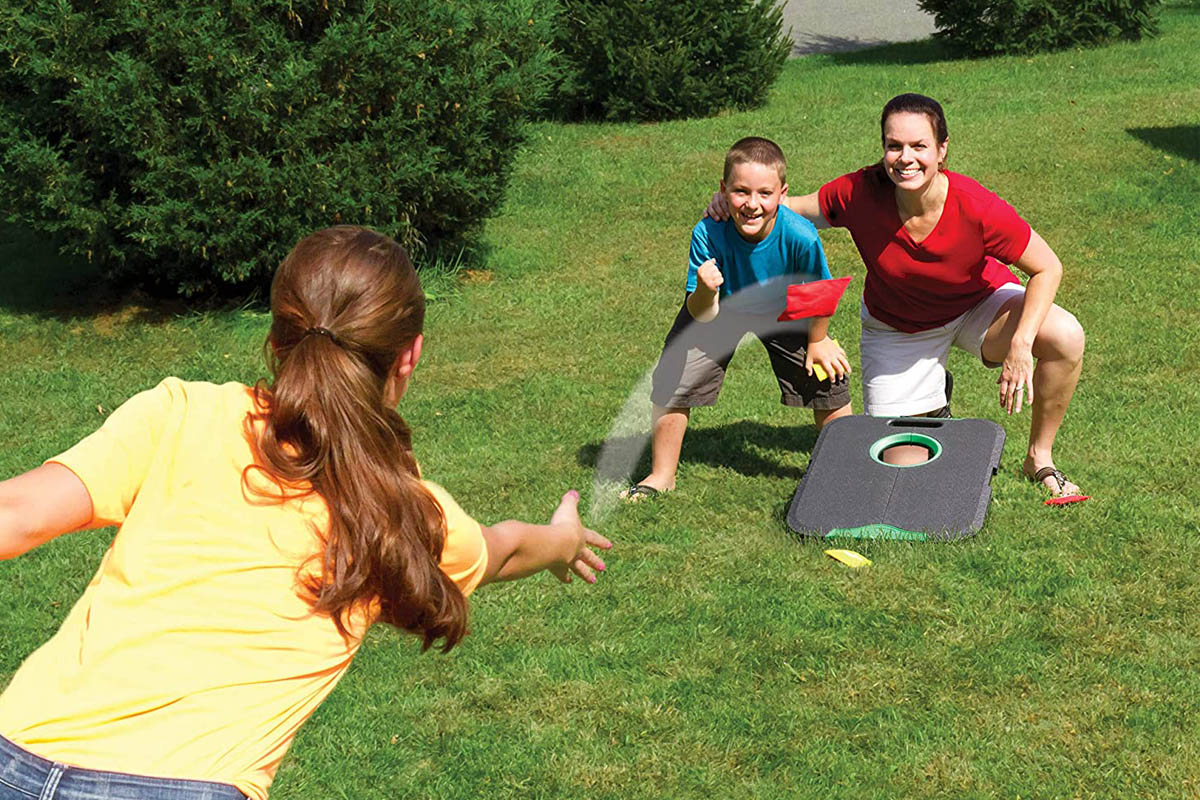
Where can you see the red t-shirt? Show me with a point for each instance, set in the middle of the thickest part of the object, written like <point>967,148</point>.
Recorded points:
<point>914,287</point>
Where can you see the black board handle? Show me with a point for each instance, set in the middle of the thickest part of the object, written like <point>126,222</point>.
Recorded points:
<point>914,422</point>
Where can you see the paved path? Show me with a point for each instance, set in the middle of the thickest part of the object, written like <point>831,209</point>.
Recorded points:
<point>838,25</point>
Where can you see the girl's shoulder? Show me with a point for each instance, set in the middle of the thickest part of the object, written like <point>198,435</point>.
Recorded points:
<point>183,388</point>
<point>204,403</point>
<point>177,396</point>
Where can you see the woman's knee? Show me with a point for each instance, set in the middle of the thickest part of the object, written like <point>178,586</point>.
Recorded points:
<point>1061,336</point>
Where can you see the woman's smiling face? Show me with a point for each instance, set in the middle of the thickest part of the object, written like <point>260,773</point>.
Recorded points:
<point>911,153</point>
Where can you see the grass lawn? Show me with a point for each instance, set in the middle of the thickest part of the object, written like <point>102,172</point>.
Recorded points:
<point>1055,655</point>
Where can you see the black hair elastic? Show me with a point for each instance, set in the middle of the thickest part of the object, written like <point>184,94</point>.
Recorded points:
<point>322,332</point>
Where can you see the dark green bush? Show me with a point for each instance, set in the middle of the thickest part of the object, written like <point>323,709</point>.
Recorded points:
<point>992,27</point>
<point>189,144</point>
<point>665,59</point>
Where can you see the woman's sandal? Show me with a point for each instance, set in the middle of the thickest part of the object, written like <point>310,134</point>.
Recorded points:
<point>1058,499</point>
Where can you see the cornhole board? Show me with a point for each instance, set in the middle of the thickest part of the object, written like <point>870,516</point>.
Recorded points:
<point>849,493</point>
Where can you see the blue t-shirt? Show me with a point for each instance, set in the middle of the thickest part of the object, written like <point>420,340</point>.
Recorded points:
<point>757,273</point>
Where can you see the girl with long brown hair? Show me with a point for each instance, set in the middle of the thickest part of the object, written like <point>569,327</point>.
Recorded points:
<point>262,531</point>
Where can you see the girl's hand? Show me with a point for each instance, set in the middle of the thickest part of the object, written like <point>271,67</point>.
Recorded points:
<point>1016,377</point>
<point>578,555</point>
<point>718,208</point>
<point>830,355</point>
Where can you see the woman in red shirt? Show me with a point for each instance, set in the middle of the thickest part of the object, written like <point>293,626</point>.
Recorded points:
<point>936,244</point>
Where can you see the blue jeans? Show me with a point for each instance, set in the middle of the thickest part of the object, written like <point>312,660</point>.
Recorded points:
<point>25,776</point>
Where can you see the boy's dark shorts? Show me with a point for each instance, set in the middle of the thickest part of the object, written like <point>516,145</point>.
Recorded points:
<point>695,356</point>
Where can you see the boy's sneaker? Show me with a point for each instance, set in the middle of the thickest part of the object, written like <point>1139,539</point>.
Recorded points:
<point>944,411</point>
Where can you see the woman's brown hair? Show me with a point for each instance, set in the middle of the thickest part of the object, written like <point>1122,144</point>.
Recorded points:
<point>911,103</point>
<point>344,303</point>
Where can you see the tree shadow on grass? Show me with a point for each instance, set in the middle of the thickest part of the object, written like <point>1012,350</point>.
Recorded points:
<point>35,278</point>
<point>1182,140</point>
<point>922,51</point>
<point>749,448</point>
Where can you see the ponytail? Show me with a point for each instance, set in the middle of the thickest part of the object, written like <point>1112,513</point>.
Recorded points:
<point>344,303</point>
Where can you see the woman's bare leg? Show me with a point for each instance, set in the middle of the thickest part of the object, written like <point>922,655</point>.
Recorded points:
<point>1058,348</point>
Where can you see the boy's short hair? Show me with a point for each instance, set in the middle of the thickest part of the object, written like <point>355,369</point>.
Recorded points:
<point>756,150</point>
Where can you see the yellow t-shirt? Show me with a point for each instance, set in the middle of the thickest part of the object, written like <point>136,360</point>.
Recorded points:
<point>191,654</point>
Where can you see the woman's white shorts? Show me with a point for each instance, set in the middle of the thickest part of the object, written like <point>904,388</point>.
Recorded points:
<point>904,374</point>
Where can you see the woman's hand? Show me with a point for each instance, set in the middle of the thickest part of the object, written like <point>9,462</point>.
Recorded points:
<point>582,560</point>
<point>1016,377</point>
<point>718,208</point>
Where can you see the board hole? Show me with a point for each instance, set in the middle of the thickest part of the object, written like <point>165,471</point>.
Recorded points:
<point>905,455</point>
<point>905,450</point>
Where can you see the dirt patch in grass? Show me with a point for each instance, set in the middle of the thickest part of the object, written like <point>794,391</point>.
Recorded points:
<point>478,276</point>
<point>109,323</point>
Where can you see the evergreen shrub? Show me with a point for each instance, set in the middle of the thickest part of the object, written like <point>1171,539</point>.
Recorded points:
<point>993,27</point>
<point>650,60</point>
<point>189,143</point>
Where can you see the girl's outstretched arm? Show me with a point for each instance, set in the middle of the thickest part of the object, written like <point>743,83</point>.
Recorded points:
<point>517,549</point>
<point>39,505</point>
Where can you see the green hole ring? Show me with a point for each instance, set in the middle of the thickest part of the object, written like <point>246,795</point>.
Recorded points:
<point>880,531</point>
<point>928,442</point>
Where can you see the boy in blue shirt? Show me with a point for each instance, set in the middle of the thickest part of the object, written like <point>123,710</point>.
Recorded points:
<point>738,273</point>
